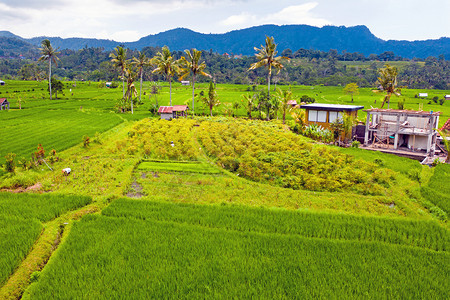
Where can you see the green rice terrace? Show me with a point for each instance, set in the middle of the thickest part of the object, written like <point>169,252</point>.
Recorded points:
<point>210,207</point>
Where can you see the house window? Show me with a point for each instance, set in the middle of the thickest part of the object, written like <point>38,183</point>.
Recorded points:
<point>317,116</point>
<point>334,115</point>
<point>321,116</point>
<point>312,116</point>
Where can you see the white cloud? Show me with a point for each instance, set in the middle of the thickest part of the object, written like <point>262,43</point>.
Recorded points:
<point>294,14</point>
<point>238,20</point>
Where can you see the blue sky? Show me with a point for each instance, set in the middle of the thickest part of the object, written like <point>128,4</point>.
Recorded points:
<point>129,20</point>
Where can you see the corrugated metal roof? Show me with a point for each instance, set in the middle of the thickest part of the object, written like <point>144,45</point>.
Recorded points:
<point>165,109</point>
<point>446,126</point>
<point>292,102</point>
<point>180,107</point>
<point>332,107</point>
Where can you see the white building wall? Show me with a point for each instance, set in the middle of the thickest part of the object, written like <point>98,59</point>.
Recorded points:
<point>166,116</point>
<point>419,142</point>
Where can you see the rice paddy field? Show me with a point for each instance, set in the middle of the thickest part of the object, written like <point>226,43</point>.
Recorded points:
<point>192,252</point>
<point>211,207</point>
<point>22,217</point>
<point>84,108</point>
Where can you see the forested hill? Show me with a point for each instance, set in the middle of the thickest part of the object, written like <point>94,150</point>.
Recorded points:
<point>343,39</point>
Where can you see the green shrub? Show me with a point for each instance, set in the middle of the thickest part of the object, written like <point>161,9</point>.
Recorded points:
<point>35,276</point>
<point>86,141</point>
<point>355,144</point>
<point>10,164</point>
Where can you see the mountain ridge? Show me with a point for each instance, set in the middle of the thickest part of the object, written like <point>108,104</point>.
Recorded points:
<point>242,41</point>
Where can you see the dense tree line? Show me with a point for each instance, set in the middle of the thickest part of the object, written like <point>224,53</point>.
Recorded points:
<point>309,67</point>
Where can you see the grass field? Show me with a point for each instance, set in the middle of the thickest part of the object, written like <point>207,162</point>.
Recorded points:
<point>190,257</point>
<point>227,208</point>
<point>177,166</point>
<point>21,219</point>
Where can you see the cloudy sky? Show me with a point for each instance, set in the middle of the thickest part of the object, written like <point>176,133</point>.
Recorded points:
<point>129,20</point>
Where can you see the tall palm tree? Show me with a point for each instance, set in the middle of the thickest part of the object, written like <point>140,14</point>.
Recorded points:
<point>140,62</point>
<point>50,54</point>
<point>119,60</point>
<point>131,76</point>
<point>388,80</point>
<point>191,64</point>
<point>267,57</point>
<point>167,66</point>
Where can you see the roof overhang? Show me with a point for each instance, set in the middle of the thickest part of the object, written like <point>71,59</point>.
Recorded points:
<point>332,107</point>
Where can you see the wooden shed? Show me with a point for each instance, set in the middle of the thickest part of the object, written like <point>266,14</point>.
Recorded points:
<point>4,104</point>
<point>173,112</point>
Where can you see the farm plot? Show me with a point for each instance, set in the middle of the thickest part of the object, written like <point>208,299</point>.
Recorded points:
<point>17,235</point>
<point>178,166</point>
<point>54,129</point>
<point>438,189</point>
<point>181,256</point>
<point>425,234</point>
<point>21,218</point>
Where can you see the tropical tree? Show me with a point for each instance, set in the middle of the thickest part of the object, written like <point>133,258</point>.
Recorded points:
<point>388,81</point>
<point>119,60</point>
<point>351,89</point>
<point>191,64</point>
<point>167,66</point>
<point>140,62</point>
<point>130,75</point>
<point>284,97</point>
<point>57,86</point>
<point>267,57</point>
<point>211,99</point>
<point>348,120</point>
<point>249,102</point>
<point>50,54</point>
<point>299,117</point>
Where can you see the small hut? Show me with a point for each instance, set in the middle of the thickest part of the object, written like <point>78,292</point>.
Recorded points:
<point>4,104</point>
<point>173,112</point>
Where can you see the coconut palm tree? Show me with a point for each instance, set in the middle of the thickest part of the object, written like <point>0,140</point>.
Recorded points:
<point>167,66</point>
<point>191,64</point>
<point>140,62</point>
<point>119,60</point>
<point>50,54</point>
<point>130,75</point>
<point>388,81</point>
<point>267,57</point>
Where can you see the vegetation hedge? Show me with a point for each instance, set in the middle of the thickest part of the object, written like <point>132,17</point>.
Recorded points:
<point>275,155</point>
